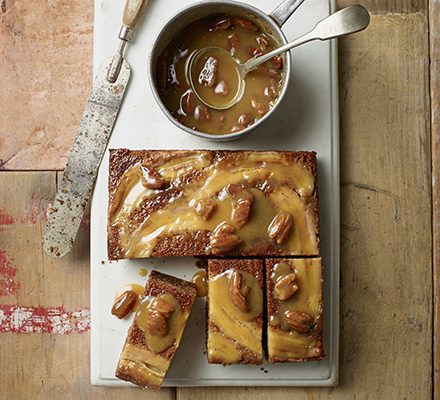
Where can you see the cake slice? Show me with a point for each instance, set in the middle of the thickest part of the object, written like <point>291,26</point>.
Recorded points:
<point>294,309</point>
<point>156,330</point>
<point>235,307</point>
<point>212,203</point>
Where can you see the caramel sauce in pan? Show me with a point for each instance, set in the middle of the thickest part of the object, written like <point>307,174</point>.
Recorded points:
<point>288,184</point>
<point>175,323</point>
<point>262,86</point>
<point>232,322</point>
<point>201,282</point>
<point>284,342</point>
<point>135,287</point>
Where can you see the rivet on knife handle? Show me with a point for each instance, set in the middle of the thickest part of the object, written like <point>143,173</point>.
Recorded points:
<point>64,215</point>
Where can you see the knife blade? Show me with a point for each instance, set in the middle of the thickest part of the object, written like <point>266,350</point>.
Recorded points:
<point>65,214</point>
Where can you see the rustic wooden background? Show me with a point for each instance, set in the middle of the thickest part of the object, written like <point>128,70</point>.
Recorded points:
<point>390,244</point>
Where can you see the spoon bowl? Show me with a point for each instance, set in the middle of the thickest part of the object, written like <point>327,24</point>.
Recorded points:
<point>215,98</point>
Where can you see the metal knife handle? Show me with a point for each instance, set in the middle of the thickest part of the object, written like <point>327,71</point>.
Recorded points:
<point>133,12</point>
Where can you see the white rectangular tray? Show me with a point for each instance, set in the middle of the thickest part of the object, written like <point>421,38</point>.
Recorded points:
<point>308,120</point>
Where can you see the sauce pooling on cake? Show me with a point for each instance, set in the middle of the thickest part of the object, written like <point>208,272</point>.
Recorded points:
<point>247,202</point>
<point>235,307</point>
<point>156,330</point>
<point>294,309</point>
<point>162,321</point>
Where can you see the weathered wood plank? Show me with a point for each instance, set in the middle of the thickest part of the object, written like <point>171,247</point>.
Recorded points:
<point>386,285</point>
<point>46,64</point>
<point>434,36</point>
<point>48,296</point>
<point>389,6</point>
<point>37,125</point>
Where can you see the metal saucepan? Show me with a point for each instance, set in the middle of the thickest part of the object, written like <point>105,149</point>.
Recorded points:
<point>270,24</point>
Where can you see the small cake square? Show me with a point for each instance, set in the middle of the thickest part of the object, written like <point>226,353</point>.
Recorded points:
<point>235,308</point>
<point>156,330</point>
<point>294,309</point>
<point>176,203</point>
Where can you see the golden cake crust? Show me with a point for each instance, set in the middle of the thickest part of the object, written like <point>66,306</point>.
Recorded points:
<point>195,243</point>
<point>158,284</point>
<point>255,268</point>
<point>272,308</point>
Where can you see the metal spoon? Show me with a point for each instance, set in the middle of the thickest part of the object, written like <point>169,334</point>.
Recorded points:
<point>348,20</point>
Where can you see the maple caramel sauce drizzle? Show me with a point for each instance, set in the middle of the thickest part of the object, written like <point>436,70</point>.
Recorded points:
<point>151,365</point>
<point>134,287</point>
<point>143,272</point>
<point>131,191</point>
<point>201,282</point>
<point>283,341</point>
<point>175,323</point>
<point>222,349</point>
<point>232,322</point>
<point>178,216</point>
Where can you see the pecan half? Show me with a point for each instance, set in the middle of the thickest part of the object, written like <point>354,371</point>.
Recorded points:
<point>286,286</point>
<point>273,73</point>
<point>280,227</point>
<point>157,320</point>
<point>236,191</point>
<point>278,62</point>
<point>201,113</point>
<point>222,24</point>
<point>233,43</point>
<point>246,119</point>
<point>241,203</point>
<point>222,88</point>
<point>162,72</point>
<point>237,292</point>
<point>244,24</point>
<point>162,306</point>
<point>255,52</point>
<point>152,179</point>
<point>263,42</point>
<point>273,90</point>
<point>224,239</point>
<point>259,107</point>
<point>205,208</point>
<point>188,103</point>
<point>241,211</point>
<point>124,304</point>
<point>208,75</point>
<point>299,321</point>
<point>235,128</point>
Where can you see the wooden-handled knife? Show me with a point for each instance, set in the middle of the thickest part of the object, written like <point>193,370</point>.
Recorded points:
<point>64,215</point>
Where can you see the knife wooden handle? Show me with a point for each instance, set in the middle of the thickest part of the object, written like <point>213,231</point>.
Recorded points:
<point>133,12</point>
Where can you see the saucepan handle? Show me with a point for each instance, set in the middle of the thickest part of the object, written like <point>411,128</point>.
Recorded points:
<point>283,12</point>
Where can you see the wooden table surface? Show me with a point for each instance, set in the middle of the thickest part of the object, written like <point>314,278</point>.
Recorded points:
<point>390,244</point>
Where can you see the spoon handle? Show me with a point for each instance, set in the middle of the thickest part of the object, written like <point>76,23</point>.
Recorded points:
<point>348,20</point>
